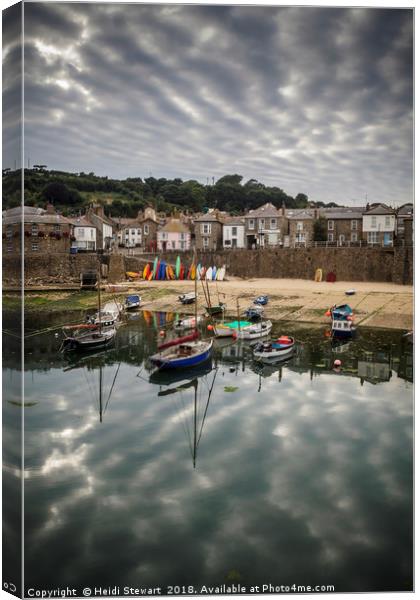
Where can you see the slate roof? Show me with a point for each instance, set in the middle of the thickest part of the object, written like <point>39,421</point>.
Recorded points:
<point>175,226</point>
<point>266,210</point>
<point>209,218</point>
<point>33,215</point>
<point>343,214</point>
<point>380,209</point>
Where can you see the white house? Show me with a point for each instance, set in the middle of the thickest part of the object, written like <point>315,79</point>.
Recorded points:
<point>84,233</point>
<point>130,234</point>
<point>379,225</point>
<point>234,233</point>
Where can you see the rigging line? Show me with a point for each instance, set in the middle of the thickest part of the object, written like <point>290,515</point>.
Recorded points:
<point>184,424</point>
<point>112,386</point>
<point>207,405</point>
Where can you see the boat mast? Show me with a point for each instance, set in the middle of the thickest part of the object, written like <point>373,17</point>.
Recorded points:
<point>195,423</point>
<point>99,299</point>
<point>100,394</point>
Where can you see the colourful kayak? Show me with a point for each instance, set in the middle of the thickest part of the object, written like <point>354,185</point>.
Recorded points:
<point>178,267</point>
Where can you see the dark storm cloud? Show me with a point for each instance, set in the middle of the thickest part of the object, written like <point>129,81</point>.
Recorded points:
<point>312,100</point>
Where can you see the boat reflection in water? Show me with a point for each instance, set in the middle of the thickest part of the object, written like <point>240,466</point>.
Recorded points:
<point>177,385</point>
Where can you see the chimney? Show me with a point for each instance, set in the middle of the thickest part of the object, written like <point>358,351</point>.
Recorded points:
<point>99,210</point>
<point>367,206</point>
<point>283,209</point>
<point>50,209</point>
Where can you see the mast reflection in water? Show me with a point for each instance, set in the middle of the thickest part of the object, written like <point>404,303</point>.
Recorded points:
<point>303,475</point>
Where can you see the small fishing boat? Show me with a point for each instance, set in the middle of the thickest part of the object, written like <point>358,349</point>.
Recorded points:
<point>109,314</point>
<point>253,313</point>
<point>182,355</point>
<point>216,309</point>
<point>282,347</point>
<point>188,322</point>
<point>261,300</point>
<point>86,340</point>
<point>187,298</point>
<point>133,301</point>
<point>228,329</point>
<point>342,324</point>
<point>350,292</point>
<point>255,330</point>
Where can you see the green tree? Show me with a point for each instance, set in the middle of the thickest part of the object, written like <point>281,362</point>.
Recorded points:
<point>320,230</point>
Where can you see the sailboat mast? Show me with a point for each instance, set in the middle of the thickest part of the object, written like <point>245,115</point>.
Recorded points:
<point>195,292</point>
<point>99,299</point>
<point>195,424</point>
<point>100,394</point>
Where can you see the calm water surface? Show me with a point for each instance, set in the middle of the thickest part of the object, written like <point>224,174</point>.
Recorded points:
<point>292,474</point>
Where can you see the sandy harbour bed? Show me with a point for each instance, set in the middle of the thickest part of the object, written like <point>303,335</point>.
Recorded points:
<point>375,304</point>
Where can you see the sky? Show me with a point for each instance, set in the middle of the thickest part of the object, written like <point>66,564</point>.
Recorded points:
<point>313,100</point>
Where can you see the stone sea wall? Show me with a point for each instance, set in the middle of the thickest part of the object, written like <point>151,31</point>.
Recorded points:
<point>349,264</point>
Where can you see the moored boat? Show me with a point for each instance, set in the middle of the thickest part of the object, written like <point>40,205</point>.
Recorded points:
<point>188,322</point>
<point>261,300</point>
<point>133,301</point>
<point>86,340</point>
<point>188,298</point>
<point>282,347</point>
<point>342,320</point>
<point>187,354</point>
<point>228,329</point>
<point>255,330</point>
<point>254,313</point>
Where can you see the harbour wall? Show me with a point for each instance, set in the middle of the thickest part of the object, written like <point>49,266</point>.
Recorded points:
<point>393,265</point>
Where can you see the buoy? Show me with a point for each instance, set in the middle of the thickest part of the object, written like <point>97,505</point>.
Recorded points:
<point>328,313</point>
<point>209,327</point>
<point>337,362</point>
<point>162,333</point>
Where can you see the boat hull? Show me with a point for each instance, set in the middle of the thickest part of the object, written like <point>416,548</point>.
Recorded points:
<point>255,331</point>
<point>164,360</point>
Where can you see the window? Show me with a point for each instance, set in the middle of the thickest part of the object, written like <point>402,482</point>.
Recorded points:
<point>133,232</point>
<point>164,235</point>
<point>205,242</point>
<point>387,221</point>
<point>372,237</point>
<point>182,245</point>
<point>354,224</point>
<point>182,236</point>
<point>341,238</point>
<point>57,228</point>
<point>138,231</point>
<point>273,223</point>
<point>330,237</point>
<point>227,242</point>
<point>173,244</point>
<point>146,230</point>
<point>262,224</point>
<point>299,226</point>
<point>81,232</point>
<point>34,246</point>
<point>373,222</point>
<point>234,231</point>
<point>206,228</point>
<point>91,234</point>
<point>34,229</point>
<point>9,231</point>
<point>251,223</point>
<point>354,237</point>
<point>331,225</point>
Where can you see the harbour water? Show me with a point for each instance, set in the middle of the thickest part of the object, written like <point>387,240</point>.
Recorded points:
<point>232,473</point>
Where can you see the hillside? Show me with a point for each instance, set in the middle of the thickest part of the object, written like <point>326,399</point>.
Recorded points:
<point>72,192</point>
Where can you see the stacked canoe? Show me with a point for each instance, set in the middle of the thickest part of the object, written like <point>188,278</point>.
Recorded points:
<point>161,270</point>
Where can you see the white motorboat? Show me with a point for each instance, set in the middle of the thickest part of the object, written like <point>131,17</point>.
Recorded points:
<point>273,350</point>
<point>255,331</point>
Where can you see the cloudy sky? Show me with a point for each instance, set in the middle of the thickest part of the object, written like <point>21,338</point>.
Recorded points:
<point>314,100</point>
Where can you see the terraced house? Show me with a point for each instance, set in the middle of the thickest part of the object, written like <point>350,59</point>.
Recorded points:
<point>45,231</point>
<point>265,226</point>
<point>344,225</point>
<point>379,225</point>
<point>208,231</point>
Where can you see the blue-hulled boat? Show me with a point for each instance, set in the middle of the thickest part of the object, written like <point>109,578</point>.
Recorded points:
<point>132,302</point>
<point>342,324</point>
<point>183,355</point>
<point>261,300</point>
<point>254,313</point>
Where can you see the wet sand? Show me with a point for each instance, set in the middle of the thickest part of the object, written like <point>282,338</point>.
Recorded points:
<point>384,305</point>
